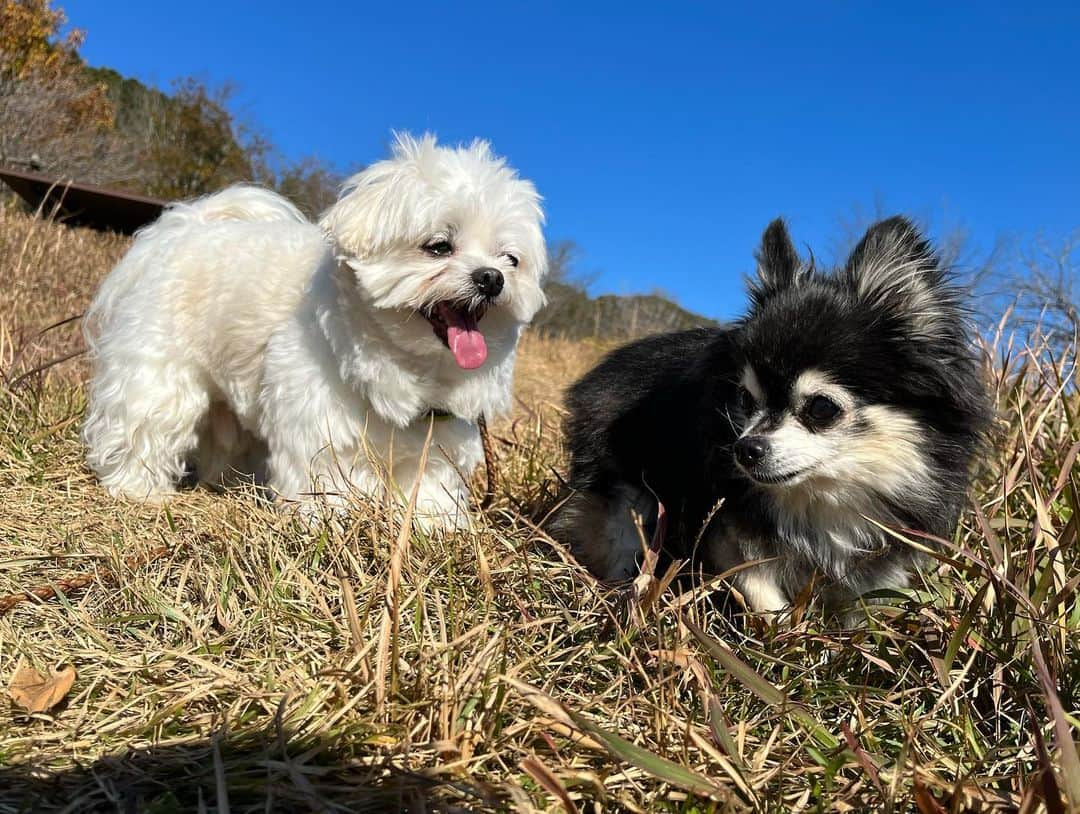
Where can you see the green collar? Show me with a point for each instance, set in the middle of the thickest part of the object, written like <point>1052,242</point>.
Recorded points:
<point>438,415</point>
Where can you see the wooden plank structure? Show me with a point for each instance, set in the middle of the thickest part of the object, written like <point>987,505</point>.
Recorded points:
<point>83,204</point>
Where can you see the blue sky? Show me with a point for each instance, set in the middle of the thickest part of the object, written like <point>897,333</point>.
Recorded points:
<point>664,137</point>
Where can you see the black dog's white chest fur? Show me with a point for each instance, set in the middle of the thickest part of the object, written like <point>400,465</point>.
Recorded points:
<point>840,402</point>
<point>835,541</point>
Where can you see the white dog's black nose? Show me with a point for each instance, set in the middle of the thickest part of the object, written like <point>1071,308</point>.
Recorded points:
<point>752,450</point>
<point>488,281</point>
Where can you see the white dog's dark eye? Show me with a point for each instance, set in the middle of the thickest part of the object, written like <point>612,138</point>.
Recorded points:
<point>511,259</point>
<point>440,247</point>
<point>746,401</point>
<point>821,410</point>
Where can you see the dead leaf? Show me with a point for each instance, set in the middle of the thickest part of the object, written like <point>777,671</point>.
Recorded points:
<point>37,693</point>
<point>926,801</point>
<point>539,772</point>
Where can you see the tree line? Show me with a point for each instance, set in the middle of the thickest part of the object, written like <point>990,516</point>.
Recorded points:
<point>72,121</point>
<point>66,119</point>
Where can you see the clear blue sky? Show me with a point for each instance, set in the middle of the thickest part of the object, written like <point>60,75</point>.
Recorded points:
<point>664,138</point>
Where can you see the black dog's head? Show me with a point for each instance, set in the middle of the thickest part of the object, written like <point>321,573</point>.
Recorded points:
<point>860,382</point>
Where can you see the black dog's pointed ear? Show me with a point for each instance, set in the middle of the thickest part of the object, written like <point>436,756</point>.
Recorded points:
<point>778,263</point>
<point>894,268</point>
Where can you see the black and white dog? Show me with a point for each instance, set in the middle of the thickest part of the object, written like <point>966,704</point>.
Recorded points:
<point>838,402</point>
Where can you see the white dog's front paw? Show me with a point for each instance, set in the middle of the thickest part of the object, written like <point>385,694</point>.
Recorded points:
<point>314,512</point>
<point>437,510</point>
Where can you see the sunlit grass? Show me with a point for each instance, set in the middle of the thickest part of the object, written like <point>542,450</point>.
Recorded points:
<point>244,670</point>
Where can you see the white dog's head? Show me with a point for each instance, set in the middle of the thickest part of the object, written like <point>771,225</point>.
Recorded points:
<point>445,244</point>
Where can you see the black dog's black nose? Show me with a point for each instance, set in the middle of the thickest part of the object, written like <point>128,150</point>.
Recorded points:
<point>489,281</point>
<point>752,450</point>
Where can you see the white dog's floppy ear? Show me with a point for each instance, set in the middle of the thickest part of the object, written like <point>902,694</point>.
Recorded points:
<point>383,201</point>
<point>894,268</point>
<point>778,264</point>
<point>354,219</point>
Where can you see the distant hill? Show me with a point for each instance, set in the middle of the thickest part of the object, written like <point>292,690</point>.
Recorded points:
<point>573,314</point>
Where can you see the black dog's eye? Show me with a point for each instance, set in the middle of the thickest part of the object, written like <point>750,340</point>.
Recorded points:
<point>746,401</point>
<point>440,247</point>
<point>822,410</point>
<point>511,259</point>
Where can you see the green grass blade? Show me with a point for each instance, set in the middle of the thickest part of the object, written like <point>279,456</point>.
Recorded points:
<point>762,687</point>
<point>659,767</point>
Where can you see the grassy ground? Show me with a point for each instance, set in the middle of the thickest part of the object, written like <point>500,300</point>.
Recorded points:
<point>259,666</point>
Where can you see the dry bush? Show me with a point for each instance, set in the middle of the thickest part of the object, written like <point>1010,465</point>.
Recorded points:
<point>189,143</point>
<point>30,37</point>
<point>246,670</point>
<point>308,183</point>
<point>53,124</point>
<point>72,122</point>
<point>53,115</point>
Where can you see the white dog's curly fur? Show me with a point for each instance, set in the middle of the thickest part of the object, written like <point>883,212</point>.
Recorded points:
<point>238,337</point>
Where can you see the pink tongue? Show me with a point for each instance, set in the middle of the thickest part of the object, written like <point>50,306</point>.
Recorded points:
<point>465,340</point>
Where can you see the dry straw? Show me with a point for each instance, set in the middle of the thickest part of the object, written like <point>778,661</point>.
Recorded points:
<point>372,667</point>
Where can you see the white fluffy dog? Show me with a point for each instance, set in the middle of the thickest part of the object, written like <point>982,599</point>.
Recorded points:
<point>237,337</point>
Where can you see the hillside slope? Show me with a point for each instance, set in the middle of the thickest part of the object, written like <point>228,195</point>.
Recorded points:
<point>571,313</point>
<point>225,653</point>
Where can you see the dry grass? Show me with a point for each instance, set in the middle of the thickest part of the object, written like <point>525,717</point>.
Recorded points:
<point>244,671</point>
